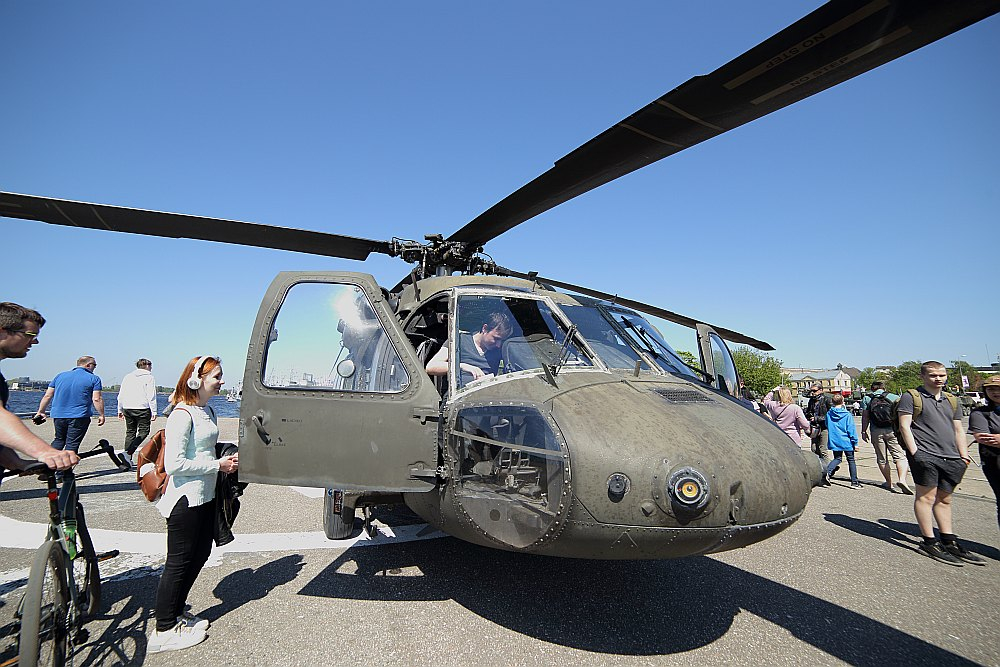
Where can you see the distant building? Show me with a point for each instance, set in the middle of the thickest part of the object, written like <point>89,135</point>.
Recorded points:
<point>853,372</point>
<point>832,381</point>
<point>26,384</point>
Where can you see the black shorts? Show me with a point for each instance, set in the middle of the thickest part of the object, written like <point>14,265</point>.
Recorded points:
<point>933,470</point>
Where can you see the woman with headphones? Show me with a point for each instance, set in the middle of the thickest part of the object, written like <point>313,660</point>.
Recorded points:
<point>188,503</point>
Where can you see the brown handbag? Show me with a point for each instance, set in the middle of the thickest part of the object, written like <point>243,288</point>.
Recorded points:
<point>150,473</point>
<point>149,469</point>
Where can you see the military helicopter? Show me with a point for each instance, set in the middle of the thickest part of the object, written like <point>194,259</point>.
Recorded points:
<point>561,423</point>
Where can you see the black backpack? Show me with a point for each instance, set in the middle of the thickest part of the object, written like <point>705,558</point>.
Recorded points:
<point>880,410</point>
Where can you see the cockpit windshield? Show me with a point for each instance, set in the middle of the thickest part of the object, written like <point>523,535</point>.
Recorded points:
<point>506,334</point>
<point>606,341</point>
<point>650,341</point>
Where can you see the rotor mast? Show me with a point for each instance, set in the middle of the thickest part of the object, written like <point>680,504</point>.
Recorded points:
<point>441,257</point>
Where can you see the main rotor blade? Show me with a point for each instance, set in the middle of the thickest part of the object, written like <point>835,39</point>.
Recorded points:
<point>670,316</point>
<point>838,41</point>
<point>177,225</point>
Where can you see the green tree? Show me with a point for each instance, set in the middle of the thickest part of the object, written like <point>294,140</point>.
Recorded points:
<point>903,377</point>
<point>688,358</point>
<point>867,376</point>
<point>975,377</point>
<point>760,372</point>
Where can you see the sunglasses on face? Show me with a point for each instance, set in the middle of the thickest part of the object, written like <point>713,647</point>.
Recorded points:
<point>25,333</point>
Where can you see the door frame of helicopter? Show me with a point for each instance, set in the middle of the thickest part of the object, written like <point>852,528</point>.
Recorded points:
<point>334,428</point>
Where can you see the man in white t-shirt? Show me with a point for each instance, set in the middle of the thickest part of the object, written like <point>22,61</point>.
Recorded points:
<point>137,407</point>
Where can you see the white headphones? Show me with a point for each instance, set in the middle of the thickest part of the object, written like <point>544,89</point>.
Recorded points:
<point>194,382</point>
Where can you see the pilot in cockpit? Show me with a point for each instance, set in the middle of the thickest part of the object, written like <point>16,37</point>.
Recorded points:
<point>477,353</point>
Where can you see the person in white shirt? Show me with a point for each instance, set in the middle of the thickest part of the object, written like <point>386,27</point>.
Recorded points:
<point>137,407</point>
<point>188,503</point>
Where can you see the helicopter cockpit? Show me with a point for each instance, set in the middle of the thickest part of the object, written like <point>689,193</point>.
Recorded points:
<point>509,333</point>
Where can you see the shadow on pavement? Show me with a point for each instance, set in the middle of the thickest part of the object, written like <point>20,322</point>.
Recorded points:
<point>911,530</point>
<point>123,641</point>
<point>901,538</point>
<point>81,489</point>
<point>247,585</point>
<point>901,533</point>
<point>619,607</point>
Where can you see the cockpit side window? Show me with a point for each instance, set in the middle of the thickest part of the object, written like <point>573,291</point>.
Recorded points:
<point>726,376</point>
<point>327,337</point>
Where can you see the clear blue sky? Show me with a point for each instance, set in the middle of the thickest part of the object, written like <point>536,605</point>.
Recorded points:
<point>400,119</point>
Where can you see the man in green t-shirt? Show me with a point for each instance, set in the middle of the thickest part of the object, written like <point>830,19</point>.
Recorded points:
<point>879,424</point>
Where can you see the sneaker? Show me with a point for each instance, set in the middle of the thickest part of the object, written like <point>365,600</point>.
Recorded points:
<point>937,552</point>
<point>887,486</point>
<point>193,621</point>
<point>826,480</point>
<point>125,461</point>
<point>956,549</point>
<point>855,485</point>
<point>179,637</point>
<point>904,487</point>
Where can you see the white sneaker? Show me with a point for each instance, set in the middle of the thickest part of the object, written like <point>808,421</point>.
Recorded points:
<point>179,637</point>
<point>126,460</point>
<point>193,621</point>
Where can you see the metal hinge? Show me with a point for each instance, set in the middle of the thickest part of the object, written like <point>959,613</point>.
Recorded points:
<point>426,414</point>
<point>429,473</point>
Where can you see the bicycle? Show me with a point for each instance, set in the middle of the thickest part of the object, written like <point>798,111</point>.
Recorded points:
<point>60,599</point>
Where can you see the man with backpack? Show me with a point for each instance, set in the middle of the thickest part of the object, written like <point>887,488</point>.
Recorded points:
<point>877,418</point>
<point>930,425</point>
<point>819,405</point>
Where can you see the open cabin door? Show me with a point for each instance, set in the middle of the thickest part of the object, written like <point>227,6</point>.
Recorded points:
<point>717,361</point>
<point>333,394</point>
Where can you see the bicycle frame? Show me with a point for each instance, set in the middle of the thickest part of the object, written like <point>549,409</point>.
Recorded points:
<point>67,529</point>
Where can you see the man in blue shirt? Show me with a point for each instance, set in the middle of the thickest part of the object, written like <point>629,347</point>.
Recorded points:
<point>71,394</point>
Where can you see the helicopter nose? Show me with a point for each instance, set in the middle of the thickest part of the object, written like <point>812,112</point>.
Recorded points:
<point>814,465</point>
<point>700,461</point>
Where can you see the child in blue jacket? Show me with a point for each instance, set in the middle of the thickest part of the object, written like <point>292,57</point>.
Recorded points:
<point>843,439</point>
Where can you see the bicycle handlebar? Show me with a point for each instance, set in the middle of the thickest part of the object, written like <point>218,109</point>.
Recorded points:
<point>39,468</point>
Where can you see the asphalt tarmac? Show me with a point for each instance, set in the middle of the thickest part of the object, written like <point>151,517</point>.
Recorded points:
<point>844,584</point>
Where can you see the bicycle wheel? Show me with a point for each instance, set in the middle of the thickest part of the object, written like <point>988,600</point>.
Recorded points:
<point>86,572</point>
<point>44,637</point>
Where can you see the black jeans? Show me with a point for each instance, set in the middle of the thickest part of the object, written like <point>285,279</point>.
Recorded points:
<point>189,543</point>
<point>820,447</point>
<point>990,458</point>
<point>136,427</point>
<point>70,432</point>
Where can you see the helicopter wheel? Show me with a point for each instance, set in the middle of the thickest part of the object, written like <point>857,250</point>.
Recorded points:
<point>337,524</point>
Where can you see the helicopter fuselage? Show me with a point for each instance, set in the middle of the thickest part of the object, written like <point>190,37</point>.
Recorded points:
<point>585,437</point>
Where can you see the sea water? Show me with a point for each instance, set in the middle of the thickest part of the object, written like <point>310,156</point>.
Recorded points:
<point>23,402</point>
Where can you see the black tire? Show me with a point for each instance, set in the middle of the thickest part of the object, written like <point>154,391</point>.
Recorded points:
<point>44,637</point>
<point>336,525</point>
<point>86,572</point>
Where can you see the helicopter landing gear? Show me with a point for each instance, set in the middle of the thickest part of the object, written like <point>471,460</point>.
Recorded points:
<point>338,519</point>
<point>368,526</point>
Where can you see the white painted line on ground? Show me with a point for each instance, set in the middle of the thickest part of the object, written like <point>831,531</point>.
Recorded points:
<point>309,491</point>
<point>23,535</point>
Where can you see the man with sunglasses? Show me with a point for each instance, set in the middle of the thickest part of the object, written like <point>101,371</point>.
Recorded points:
<point>19,327</point>
<point>71,393</point>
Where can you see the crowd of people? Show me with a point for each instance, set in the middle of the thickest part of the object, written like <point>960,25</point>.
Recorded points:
<point>920,430</point>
